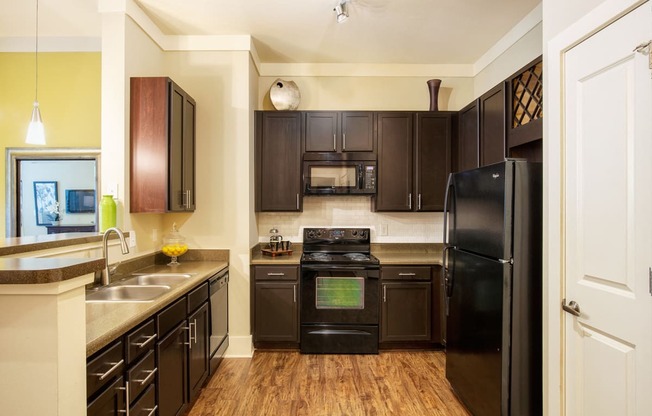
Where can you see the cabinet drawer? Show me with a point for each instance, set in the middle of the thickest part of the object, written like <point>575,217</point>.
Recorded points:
<point>405,273</point>
<point>140,340</point>
<point>146,405</point>
<point>197,296</point>
<point>171,316</point>
<point>277,272</point>
<point>141,375</point>
<point>104,368</point>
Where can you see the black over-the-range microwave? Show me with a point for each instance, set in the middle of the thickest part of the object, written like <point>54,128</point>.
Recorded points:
<point>341,177</point>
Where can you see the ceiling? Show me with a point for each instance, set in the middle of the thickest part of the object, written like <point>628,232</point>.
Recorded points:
<point>303,31</point>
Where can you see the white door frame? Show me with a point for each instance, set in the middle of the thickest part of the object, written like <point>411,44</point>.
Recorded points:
<point>553,198</point>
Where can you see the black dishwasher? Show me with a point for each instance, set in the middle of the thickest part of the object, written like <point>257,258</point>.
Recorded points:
<point>219,301</point>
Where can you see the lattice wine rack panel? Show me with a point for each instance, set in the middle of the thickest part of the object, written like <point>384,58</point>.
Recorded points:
<point>527,96</point>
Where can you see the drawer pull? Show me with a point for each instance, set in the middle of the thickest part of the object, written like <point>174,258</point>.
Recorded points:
<point>148,378</point>
<point>147,341</point>
<point>407,274</point>
<point>276,274</point>
<point>126,389</point>
<point>102,376</point>
<point>152,411</point>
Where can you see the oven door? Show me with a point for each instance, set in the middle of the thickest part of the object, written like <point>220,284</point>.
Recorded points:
<point>339,295</point>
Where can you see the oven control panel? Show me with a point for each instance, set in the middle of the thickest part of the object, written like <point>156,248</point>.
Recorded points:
<point>335,234</point>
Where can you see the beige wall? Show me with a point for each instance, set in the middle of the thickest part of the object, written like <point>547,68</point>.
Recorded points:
<point>560,14</point>
<point>525,50</point>
<point>371,93</point>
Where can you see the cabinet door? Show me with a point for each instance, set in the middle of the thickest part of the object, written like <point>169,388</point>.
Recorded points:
<point>110,402</point>
<point>394,182</point>
<point>321,131</point>
<point>432,155</point>
<point>492,125</point>
<point>357,131</point>
<point>468,138</point>
<point>276,312</point>
<point>406,311</point>
<point>182,150</point>
<point>198,350</point>
<point>278,161</point>
<point>172,375</point>
<point>188,162</point>
<point>175,196</point>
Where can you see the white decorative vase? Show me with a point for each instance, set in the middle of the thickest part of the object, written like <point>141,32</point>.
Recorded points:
<point>285,95</point>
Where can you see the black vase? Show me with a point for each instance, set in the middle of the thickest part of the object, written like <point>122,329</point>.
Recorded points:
<point>433,88</point>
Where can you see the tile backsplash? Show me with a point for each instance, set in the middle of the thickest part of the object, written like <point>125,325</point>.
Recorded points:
<point>353,211</point>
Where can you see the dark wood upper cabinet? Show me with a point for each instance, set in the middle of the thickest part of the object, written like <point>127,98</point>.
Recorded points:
<point>278,161</point>
<point>466,149</point>
<point>432,155</point>
<point>492,125</point>
<point>394,190</point>
<point>334,131</point>
<point>162,146</point>
<point>413,163</point>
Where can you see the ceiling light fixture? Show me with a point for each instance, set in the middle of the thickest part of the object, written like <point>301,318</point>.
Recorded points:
<point>341,11</point>
<point>36,132</point>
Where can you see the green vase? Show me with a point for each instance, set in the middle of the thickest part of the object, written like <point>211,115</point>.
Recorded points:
<point>107,212</point>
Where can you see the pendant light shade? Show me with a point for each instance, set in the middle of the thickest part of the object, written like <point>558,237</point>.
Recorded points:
<point>36,131</point>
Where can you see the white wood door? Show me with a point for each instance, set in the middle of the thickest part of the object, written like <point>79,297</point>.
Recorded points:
<point>607,187</point>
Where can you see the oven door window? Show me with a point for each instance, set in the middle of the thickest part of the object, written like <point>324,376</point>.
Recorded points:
<point>333,176</point>
<point>339,292</point>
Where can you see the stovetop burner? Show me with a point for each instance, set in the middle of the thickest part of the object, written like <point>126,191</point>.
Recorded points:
<point>339,246</point>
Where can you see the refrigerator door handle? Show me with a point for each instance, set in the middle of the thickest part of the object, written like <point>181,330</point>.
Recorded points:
<point>448,278</point>
<point>449,185</point>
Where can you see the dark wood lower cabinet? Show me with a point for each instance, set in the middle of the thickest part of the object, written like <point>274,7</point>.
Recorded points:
<point>110,402</point>
<point>275,306</point>
<point>277,312</point>
<point>172,380</point>
<point>198,354</point>
<point>406,311</point>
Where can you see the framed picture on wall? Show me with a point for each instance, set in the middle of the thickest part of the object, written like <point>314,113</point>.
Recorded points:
<point>46,201</point>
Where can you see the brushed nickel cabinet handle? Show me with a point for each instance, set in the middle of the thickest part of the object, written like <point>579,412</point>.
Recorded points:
<point>148,378</point>
<point>114,367</point>
<point>142,345</point>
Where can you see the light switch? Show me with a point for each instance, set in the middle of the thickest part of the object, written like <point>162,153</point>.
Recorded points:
<point>383,229</point>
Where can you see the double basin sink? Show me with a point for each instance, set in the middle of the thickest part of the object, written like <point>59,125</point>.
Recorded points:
<point>138,288</point>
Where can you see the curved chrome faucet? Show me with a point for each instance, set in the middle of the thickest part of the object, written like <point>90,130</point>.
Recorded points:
<point>106,273</point>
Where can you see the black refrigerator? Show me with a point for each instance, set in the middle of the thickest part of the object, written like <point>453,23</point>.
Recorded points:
<point>492,266</point>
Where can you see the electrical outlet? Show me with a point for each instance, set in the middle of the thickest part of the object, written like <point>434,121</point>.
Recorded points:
<point>383,229</point>
<point>112,189</point>
<point>132,238</point>
<point>155,235</point>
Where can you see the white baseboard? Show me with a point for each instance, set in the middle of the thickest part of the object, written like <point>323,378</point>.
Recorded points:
<point>240,347</point>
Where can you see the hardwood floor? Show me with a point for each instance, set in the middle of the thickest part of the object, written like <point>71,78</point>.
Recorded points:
<point>290,383</point>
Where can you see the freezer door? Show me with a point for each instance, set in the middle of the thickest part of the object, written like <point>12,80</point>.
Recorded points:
<point>481,210</point>
<point>477,332</point>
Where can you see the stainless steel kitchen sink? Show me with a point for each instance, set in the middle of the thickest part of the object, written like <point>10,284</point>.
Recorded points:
<point>158,279</point>
<point>127,293</point>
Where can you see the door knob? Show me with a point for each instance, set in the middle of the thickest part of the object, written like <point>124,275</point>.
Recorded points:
<point>573,307</point>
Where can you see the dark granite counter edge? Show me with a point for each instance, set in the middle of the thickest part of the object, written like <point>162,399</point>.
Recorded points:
<point>20,245</point>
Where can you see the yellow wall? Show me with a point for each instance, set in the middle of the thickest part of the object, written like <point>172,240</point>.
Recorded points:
<point>69,98</point>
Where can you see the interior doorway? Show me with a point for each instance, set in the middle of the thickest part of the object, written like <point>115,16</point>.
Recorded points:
<point>51,190</point>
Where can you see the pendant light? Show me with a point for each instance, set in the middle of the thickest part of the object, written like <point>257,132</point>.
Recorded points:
<point>36,132</point>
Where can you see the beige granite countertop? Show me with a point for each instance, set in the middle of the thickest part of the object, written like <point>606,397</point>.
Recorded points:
<point>408,253</point>
<point>107,321</point>
<point>387,253</point>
